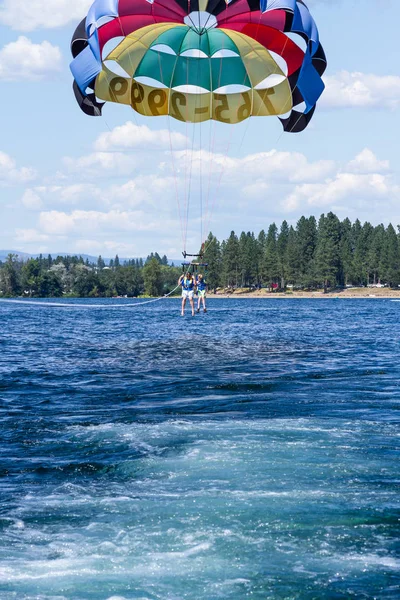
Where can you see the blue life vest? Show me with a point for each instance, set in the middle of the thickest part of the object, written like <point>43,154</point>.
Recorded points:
<point>187,284</point>
<point>201,285</point>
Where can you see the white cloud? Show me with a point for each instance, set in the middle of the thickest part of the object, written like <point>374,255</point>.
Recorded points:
<point>108,247</point>
<point>87,194</point>
<point>140,137</point>
<point>253,190</point>
<point>103,164</point>
<point>24,60</point>
<point>367,162</point>
<point>31,200</point>
<point>365,184</point>
<point>11,174</point>
<point>30,236</point>
<point>80,222</point>
<point>24,15</point>
<point>345,187</point>
<point>348,90</point>
<point>147,192</point>
<point>282,166</point>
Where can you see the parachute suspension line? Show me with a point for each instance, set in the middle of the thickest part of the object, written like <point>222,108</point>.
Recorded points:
<point>189,170</point>
<point>201,186</point>
<point>230,138</point>
<point>200,161</point>
<point>172,155</point>
<point>212,150</point>
<point>187,183</point>
<point>210,167</point>
<point>175,176</point>
<point>190,179</point>
<point>177,192</point>
<point>185,204</point>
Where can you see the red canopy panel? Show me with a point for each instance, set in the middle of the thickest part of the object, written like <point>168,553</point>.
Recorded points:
<point>231,10</point>
<point>273,40</point>
<point>126,25</point>
<point>273,18</point>
<point>173,6</point>
<point>169,8</point>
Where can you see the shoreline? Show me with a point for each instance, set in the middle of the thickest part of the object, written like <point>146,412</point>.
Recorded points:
<point>366,294</point>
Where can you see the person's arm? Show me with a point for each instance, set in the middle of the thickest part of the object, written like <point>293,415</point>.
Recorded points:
<point>180,280</point>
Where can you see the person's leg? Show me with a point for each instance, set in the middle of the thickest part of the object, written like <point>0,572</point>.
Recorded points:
<point>192,304</point>
<point>183,305</point>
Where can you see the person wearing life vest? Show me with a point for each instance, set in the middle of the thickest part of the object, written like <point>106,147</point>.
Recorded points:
<point>201,292</point>
<point>188,284</point>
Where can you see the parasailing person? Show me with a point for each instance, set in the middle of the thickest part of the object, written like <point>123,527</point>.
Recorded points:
<point>188,284</point>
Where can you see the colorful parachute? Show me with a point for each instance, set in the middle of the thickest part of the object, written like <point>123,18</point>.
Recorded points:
<point>200,59</point>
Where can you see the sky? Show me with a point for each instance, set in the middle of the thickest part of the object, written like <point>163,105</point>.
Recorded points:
<point>111,185</point>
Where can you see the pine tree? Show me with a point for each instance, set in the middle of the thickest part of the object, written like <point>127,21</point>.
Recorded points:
<point>327,256</point>
<point>281,247</point>
<point>100,263</point>
<point>261,239</point>
<point>292,257</point>
<point>230,261</point>
<point>346,252</point>
<point>375,252</point>
<point>247,259</point>
<point>361,250</point>
<point>152,276</point>
<point>270,266</point>
<point>392,255</point>
<point>306,241</point>
<point>9,280</point>
<point>31,272</point>
<point>212,256</point>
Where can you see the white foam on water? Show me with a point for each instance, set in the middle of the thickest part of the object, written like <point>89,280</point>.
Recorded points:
<point>184,498</point>
<point>373,560</point>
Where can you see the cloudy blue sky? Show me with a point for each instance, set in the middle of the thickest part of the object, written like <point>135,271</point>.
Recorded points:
<point>71,183</point>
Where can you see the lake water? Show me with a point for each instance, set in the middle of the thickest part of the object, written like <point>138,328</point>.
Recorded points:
<point>252,452</point>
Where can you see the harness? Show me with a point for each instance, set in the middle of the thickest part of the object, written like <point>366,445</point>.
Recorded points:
<point>187,284</point>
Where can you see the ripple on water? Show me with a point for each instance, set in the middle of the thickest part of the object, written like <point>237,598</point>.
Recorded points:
<point>252,456</point>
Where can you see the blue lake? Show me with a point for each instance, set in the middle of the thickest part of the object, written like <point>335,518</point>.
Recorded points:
<point>252,452</point>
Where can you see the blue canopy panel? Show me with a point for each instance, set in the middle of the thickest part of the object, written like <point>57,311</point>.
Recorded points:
<point>310,83</point>
<point>99,10</point>
<point>87,64</point>
<point>85,68</point>
<point>266,5</point>
<point>94,45</point>
<point>304,23</point>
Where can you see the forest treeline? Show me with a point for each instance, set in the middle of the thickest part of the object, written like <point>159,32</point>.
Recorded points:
<point>327,253</point>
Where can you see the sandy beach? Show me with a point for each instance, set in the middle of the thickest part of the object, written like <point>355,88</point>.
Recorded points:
<point>350,293</point>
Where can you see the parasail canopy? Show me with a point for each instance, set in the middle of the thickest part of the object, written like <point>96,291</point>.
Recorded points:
<point>197,60</point>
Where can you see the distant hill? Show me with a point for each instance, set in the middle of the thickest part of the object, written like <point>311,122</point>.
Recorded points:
<point>24,256</point>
